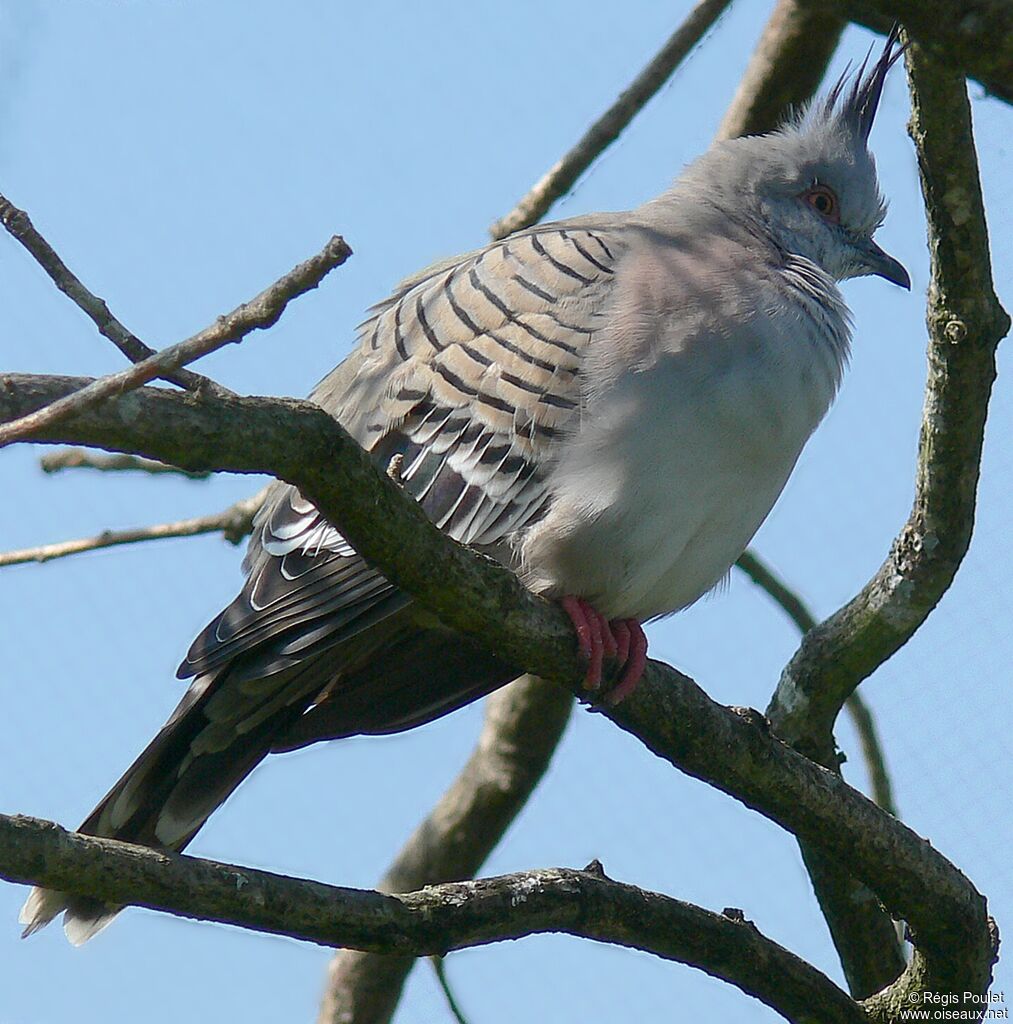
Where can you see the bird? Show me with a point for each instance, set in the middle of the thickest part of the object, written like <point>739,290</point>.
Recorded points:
<point>609,405</point>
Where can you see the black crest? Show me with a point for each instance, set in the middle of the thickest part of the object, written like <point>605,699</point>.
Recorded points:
<point>858,109</point>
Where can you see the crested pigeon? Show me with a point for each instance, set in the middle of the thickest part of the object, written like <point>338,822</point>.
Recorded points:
<point>610,405</point>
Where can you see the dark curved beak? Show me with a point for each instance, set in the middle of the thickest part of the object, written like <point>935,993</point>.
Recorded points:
<point>883,265</point>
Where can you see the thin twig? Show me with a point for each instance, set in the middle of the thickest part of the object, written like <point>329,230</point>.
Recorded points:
<point>440,969</point>
<point>765,578</point>
<point>234,523</point>
<point>20,227</point>
<point>82,458</point>
<point>260,312</point>
<point>872,752</point>
<point>795,608</point>
<point>562,176</point>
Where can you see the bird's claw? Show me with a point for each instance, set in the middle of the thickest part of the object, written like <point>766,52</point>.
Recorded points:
<point>620,640</point>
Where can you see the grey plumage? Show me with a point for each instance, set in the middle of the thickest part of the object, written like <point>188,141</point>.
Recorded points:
<point>610,405</point>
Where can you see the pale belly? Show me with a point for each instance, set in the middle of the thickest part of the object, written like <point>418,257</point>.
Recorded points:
<point>658,498</point>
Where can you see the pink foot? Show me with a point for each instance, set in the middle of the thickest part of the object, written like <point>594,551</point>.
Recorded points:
<point>622,640</point>
<point>635,661</point>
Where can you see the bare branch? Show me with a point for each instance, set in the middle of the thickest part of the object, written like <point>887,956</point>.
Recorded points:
<point>865,937</point>
<point>81,458</point>
<point>260,312</point>
<point>431,921</point>
<point>764,577</point>
<point>20,227</point>
<point>564,173</point>
<point>965,324</point>
<point>234,523</point>
<point>523,725</point>
<point>786,68</point>
<point>669,713</point>
<point>441,976</point>
<point>872,752</point>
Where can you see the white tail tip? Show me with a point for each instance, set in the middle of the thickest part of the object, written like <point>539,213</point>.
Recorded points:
<point>40,908</point>
<point>79,928</point>
<point>84,918</point>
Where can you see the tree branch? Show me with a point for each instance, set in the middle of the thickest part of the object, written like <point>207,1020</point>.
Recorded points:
<point>20,227</point>
<point>81,458</point>
<point>966,324</point>
<point>523,725</point>
<point>975,36</point>
<point>260,312</point>
<point>786,68</point>
<point>672,716</point>
<point>431,921</point>
<point>863,933</point>
<point>234,523</point>
<point>560,178</point>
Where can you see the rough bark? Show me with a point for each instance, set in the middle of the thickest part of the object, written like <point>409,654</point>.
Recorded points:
<point>431,921</point>
<point>734,751</point>
<point>972,36</point>
<point>523,724</point>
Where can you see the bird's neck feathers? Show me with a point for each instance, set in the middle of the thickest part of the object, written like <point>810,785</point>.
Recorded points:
<point>720,196</point>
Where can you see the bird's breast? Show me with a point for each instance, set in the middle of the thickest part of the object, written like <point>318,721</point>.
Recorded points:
<point>674,471</point>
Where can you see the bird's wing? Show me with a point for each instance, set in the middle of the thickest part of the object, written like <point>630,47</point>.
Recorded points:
<point>467,377</point>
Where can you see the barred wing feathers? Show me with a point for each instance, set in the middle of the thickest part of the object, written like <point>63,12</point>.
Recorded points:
<point>469,375</point>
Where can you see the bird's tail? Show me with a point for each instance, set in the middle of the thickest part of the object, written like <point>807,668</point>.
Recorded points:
<point>211,742</point>
<point>232,717</point>
<point>84,917</point>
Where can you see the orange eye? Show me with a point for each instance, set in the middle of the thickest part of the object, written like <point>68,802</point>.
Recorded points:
<point>824,201</point>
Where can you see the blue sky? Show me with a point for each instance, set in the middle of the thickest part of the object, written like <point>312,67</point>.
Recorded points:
<point>181,156</point>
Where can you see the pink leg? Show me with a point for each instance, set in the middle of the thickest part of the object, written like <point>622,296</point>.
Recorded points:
<point>635,662</point>
<point>608,640</point>
<point>574,608</point>
<point>621,631</point>
<point>597,639</point>
<point>594,638</point>
<point>592,681</point>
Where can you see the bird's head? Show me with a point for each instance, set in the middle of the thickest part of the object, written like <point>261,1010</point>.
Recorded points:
<point>812,183</point>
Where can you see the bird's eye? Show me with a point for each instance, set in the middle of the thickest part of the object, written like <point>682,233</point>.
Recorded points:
<point>824,201</point>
